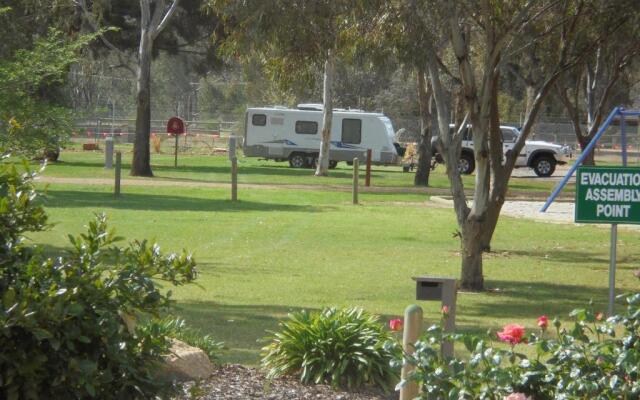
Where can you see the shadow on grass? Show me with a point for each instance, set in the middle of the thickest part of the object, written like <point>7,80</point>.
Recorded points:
<point>241,327</point>
<point>574,257</point>
<point>529,300</point>
<point>244,328</point>
<point>138,201</point>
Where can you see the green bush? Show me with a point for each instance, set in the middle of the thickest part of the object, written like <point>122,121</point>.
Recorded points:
<point>342,347</point>
<point>588,360</point>
<point>61,333</point>
<point>177,328</point>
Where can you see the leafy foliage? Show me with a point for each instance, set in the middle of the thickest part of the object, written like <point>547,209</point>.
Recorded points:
<point>29,121</point>
<point>343,347</point>
<point>587,360</point>
<point>61,332</point>
<point>178,329</point>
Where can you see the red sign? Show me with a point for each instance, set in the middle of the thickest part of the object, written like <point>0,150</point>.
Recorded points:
<point>175,126</point>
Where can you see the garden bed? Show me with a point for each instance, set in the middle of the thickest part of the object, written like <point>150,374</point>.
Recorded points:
<point>234,381</point>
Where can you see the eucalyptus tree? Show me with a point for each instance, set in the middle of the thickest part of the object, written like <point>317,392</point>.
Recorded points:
<point>403,26</point>
<point>482,36</point>
<point>138,36</point>
<point>294,38</point>
<point>590,89</point>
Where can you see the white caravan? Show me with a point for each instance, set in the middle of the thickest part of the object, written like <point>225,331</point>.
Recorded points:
<point>280,133</point>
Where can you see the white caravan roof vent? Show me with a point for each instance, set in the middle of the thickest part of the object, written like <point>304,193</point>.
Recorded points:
<point>310,106</point>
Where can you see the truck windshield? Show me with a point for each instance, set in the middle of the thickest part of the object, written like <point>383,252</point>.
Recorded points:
<point>388,126</point>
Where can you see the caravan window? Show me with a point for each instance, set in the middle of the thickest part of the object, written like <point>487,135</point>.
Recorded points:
<point>306,127</point>
<point>259,119</point>
<point>351,131</point>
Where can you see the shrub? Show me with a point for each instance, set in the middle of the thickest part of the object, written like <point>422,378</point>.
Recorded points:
<point>342,347</point>
<point>177,328</point>
<point>586,361</point>
<point>60,331</point>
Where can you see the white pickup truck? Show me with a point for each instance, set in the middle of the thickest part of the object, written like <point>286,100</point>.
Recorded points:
<point>539,155</point>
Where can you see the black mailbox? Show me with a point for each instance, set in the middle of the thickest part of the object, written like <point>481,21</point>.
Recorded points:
<point>428,290</point>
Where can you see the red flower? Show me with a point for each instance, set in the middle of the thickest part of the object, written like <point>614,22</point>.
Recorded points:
<point>543,322</point>
<point>512,333</point>
<point>395,325</point>
<point>599,316</point>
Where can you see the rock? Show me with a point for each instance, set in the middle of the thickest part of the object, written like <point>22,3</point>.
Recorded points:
<point>186,363</point>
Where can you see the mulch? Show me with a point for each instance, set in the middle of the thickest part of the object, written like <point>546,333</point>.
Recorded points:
<point>239,382</point>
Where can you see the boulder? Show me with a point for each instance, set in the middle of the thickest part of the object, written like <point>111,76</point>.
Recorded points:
<point>186,363</point>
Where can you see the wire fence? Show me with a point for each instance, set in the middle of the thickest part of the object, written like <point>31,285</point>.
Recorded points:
<point>201,137</point>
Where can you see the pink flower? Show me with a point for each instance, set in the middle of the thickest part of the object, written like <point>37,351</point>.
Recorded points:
<point>512,333</point>
<point>445,310</point>
<point>517,396</point>
<point>543,322</point>
<point>395,325</point>
<point>599,316</point>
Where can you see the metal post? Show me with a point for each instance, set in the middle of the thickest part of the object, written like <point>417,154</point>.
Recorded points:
<point>234,179</point>
<point>175,161</point>
<point>117,175</point>
<point>356,173</point>
<point>108,153</point>
<point>614,227</point>
<point>412,330</point>
<point>367,178</point>
<point>612,269</point>
<point>623,139</point>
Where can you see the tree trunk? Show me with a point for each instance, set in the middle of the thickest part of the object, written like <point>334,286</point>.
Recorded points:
<point>472,277</point>
<point>141,164</point>
<point>584,142</point>
<point>327,116</point>
<point>424,145</point>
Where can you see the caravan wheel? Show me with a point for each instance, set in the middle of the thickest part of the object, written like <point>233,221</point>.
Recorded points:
<point>297,160</point>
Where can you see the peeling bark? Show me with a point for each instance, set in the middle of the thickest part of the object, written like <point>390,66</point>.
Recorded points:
<point>327,115</point>
<point>421,177</point>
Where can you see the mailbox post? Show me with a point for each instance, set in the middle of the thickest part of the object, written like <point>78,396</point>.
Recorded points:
<point>443,289</point>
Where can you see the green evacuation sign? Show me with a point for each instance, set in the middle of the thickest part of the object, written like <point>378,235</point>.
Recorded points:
<point>608,195</point>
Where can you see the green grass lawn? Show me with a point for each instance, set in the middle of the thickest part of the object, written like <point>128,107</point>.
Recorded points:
<point>199,168</point>
<point>278,251</point>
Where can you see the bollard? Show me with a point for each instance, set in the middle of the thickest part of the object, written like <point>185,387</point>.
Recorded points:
<point>175,160</point>
<point>234,168</point>
<point>367,178</point>
<point>108,153</point>
<point>412,331</point>
<point>118,166</point>
<point>234,179</point>
<point>356,173</point>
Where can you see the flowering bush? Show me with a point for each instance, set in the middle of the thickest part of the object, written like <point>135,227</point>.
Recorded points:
<point>589,359</point>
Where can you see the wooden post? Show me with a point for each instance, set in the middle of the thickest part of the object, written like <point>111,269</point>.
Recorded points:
<point>367,178</point>
<point>412,331</point>
<point>356,173</point>
<point>117,175</point>
<point>234,168</point>
<point>175,161</point>
<point>234,179</point>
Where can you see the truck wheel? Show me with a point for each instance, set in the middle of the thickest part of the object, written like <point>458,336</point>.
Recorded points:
<point>544,165</point>
<point>466,163</point>
<point>297,160</point>
<point>333,164</point>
